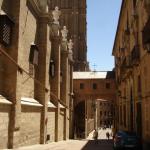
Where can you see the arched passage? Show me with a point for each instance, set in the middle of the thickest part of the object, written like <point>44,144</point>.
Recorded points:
<point>79,114</point>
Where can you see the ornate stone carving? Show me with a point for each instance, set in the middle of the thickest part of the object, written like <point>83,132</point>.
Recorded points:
<point>70,45</point>
<point>56,14</point>
<point>64,33</point>
<point>70,52</point>
<point>43,5</point>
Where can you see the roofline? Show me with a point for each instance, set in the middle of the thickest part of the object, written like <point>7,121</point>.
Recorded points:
<point>121,10</point>
<point>95,71</point>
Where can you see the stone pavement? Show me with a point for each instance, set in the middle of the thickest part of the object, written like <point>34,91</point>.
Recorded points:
<point>101,134</point>
<point>86,144</point>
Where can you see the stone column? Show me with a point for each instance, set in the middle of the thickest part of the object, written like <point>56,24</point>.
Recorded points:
<point>42,72</point>
<point>55,81</point>
<point>64,82</point>
<point>65,79</point>
<point>56,57</point>
<point>71,94</point>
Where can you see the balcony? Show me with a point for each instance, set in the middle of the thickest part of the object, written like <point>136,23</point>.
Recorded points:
<point>135,55</point>
<point>147,6</point>
<point>126,65</point>
<point>146,36</point>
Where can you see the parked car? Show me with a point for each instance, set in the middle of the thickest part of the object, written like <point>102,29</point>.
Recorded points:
<point>126,140</point>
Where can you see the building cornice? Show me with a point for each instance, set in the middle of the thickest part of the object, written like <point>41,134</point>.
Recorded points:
<point>119,20</point>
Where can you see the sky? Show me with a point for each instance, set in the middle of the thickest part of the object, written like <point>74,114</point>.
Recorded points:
<point>102,20</point>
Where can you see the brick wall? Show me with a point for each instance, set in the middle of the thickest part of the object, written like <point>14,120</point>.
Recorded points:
<point>30,125</point>
<point>4,124</point>
<point>51,124</point>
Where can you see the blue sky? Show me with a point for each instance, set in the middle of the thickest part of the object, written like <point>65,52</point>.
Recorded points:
<point>102,20</point>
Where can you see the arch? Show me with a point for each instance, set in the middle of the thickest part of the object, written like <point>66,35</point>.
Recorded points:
<point>79,115</point>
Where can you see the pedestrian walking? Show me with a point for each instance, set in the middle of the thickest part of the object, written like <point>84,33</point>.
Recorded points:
<point>107,135</point>
<point>95,136</point>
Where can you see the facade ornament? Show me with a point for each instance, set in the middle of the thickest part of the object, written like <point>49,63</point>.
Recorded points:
<point>64,33</point>
<point>70,45</point>
<point>43,5</point>
<point>56,14</point>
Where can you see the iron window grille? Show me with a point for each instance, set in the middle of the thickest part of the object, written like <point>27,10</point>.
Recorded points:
<point>6,25</point>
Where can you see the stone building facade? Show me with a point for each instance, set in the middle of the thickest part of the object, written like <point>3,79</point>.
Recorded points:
<point>90,89</point>
<point>131,51</point>
<point>74,17</point>
<point>36,65</point>
<point>105,114</point>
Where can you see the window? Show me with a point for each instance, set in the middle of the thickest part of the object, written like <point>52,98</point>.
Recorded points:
<point>139,84</point>
<point>5,29</point>
<point>81,86</point>
<point>107,85</point>
<point>134,3</point>
<point>94,86</point>
<point>101,113</point>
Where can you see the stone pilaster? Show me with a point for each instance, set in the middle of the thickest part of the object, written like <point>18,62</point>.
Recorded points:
<point>55,81</point>
<point>64,82</point>
<point>71,103</point>
<point>42,72</point>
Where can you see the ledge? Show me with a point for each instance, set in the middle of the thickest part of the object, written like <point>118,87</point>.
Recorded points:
<point>51,105</point>
<point>3,100</point>
<point>61,106</point>
<point>30,102</point>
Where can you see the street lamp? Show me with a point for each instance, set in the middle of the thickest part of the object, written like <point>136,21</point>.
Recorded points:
<point>52,68</point>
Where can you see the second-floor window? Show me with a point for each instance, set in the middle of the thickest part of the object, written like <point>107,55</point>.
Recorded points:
<point>81,86</point>
<point>94,86</point>
<point>107,85</point>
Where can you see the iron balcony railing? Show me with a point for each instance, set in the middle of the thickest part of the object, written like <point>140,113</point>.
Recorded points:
<point>135,55</point>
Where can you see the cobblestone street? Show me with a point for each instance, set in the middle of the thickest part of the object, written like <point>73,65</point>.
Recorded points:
<point>86,144</point>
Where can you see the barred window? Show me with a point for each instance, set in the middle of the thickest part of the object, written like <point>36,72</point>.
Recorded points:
<point>6,25</point>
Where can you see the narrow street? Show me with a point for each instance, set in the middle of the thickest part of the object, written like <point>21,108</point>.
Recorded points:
<point>86,144</point>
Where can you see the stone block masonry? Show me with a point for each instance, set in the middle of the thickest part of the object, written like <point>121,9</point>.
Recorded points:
<point>51,124</point>
<point>4,124</point>
<point>30,125</point>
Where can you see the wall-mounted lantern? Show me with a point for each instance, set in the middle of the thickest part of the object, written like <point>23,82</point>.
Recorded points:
<point>52,69</point>
<point>34,53</point>
<point>6,25</point>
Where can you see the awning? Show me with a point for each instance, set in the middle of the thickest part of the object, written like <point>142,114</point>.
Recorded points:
<point>51,105</point>
<point>3,100</point>
<point>30,102</point>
